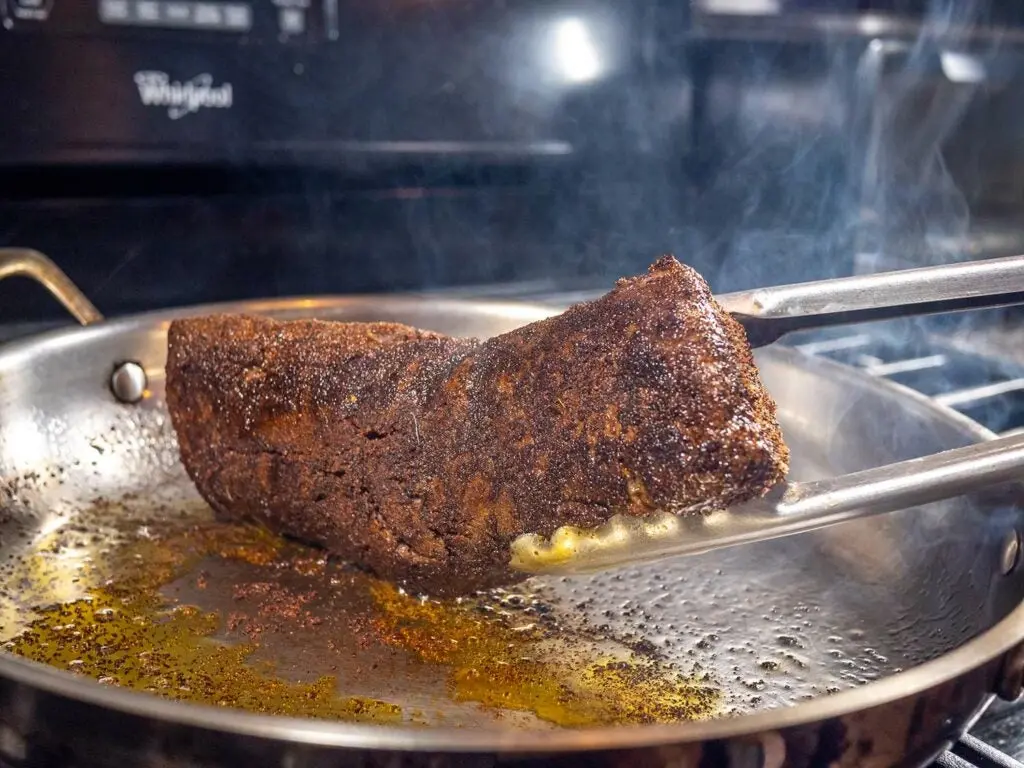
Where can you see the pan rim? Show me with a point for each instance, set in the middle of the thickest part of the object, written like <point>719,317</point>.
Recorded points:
<point>972,655</point>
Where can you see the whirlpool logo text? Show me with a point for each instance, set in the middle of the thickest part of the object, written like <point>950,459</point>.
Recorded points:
<point>156,89</point>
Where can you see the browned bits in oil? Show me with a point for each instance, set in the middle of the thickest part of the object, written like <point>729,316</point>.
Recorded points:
<point>499,664</point>
<point>122,628</point>
<point>126,633</point>
<point>150,648</point>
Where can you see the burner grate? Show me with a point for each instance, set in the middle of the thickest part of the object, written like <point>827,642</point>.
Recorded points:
<point>986,389</point>
<point>970,752</point>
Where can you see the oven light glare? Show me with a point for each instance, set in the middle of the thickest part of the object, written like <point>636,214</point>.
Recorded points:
<point>962,67</point>
<point>576,56</point>
<point>741,7</point>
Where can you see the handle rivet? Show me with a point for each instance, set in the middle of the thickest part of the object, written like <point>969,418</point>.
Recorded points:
<point>1009,558</point>
<point>128,382</point>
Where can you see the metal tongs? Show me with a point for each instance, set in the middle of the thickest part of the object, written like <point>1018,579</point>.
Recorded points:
<point>797,507</point>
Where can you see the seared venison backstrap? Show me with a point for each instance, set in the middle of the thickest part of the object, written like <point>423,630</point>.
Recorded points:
<point>421,457</point>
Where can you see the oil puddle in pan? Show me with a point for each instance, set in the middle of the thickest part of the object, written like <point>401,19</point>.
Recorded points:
<point>206,612</point>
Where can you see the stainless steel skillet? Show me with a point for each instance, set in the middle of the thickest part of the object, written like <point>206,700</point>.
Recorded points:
<point>932,591</point>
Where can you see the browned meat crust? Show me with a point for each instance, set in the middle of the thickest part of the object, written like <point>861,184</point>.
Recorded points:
<point>421,457</point>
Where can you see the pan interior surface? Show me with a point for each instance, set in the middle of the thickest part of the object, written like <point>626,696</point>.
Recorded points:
<point>113,567</point>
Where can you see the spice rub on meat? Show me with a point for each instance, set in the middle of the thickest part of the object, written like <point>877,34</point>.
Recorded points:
<point>422,457</point>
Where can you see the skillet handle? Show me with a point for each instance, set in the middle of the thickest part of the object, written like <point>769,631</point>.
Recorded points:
<point>31,263</point>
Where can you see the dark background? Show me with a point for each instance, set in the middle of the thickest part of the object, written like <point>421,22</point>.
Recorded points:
<point>429,143</point>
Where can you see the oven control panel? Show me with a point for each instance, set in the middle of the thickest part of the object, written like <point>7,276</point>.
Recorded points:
<point>243,21</point>
<point>340,83</point>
